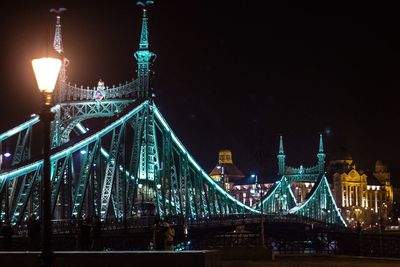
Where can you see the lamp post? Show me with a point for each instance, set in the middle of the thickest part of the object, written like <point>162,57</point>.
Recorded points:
<point>223,180</point>
<point>46,72</point>
<point>262,210</point>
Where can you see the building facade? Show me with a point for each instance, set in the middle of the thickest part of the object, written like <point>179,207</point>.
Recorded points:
<point>364,197</point>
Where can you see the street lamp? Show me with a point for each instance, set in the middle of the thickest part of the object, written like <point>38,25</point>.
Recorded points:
<point>46,72</point>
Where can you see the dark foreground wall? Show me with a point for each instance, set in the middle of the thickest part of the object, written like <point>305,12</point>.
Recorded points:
<point>116,259</point>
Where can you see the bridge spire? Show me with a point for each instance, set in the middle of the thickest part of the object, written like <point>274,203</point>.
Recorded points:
<point>321,155</point>
<point>58,46</point>
<point>143,55</point>
<point>60,89</point>
<point>57,43</point>
<point>281,152</point>
<point>321,144</point>
<point>281,158</point>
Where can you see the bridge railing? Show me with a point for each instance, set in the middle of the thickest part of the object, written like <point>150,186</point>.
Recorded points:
<point>227,240</point>
<point>72,92</point>
<point>139,222</point>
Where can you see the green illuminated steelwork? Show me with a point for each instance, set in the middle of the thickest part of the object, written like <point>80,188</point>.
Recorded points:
<point>321,155</point>
<point>143,57</point>
<point>320,204</point>
<point>110,170</point>
<point>281,158</point>
<point>81,188</point>
<point>19,128</point>
<point>279,199</point>
<point>301,174</point>
<point>24,192</point>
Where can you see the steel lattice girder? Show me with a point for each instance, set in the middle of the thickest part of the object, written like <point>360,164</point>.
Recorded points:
<point>278,199</point>
<point>177,183</point>
<point>320,204</point>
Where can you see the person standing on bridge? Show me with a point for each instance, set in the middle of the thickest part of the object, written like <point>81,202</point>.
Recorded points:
<point>158,235</point>
<point>6,231</point>
<point>33,232</point>
<point>169,236</point>
<point>96,233</point>
<point>84,234</point>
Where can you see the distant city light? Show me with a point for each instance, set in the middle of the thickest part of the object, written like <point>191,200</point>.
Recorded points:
<point>83,152</point>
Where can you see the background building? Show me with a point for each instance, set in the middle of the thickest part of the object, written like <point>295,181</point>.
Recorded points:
<point>226,173</point>
<point>364,197</point>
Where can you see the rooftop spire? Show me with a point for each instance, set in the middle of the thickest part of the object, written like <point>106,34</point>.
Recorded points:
<point>57,44</point>
<point>321,144</point>
<point>281,151</point>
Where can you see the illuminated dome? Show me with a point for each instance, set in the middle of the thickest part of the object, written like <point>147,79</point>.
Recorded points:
<point>226,167</point>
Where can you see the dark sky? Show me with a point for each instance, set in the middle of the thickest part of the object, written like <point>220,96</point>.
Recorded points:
<point>231,74</point>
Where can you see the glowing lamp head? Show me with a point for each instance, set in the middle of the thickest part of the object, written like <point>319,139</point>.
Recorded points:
<point>46,72</point>
<point>7,154</point>
<point>140,186</point>
<point>158,186</point>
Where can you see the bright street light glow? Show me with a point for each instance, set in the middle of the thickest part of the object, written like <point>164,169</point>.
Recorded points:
<point>46,72</point>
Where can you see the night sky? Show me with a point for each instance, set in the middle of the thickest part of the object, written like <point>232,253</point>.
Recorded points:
<point>230,74</point>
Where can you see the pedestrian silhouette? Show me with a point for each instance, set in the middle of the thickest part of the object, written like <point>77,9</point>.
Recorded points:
<point>96,233</point>
<point>33,232</point>
<point>84,234</point>
<point>158,235</point>
<point>6,231</point>
<point>169,235</point>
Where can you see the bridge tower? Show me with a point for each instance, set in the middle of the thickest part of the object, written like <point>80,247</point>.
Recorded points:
<point>321,156</point>
<point>148,159</point>
<point>143,55</point>
<point>281,158</point>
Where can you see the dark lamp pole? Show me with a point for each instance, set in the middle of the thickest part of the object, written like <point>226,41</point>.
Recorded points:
<point>262,214</point>
<point>46,72</point>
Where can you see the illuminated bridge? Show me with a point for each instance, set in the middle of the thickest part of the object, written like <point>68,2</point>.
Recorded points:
<point>132,163</point>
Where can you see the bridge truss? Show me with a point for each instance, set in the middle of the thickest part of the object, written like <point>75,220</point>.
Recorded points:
<point>135,161</point>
